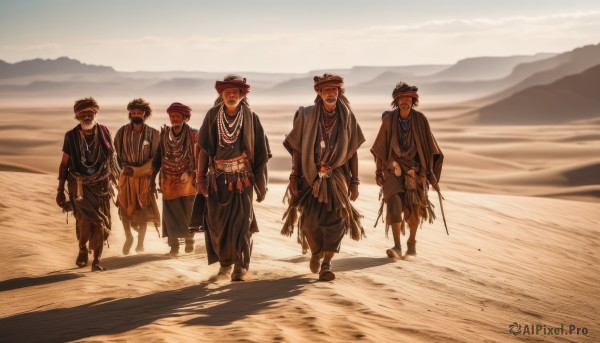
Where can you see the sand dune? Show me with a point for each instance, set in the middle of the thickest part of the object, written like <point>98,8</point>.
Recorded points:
<point>466,287</point>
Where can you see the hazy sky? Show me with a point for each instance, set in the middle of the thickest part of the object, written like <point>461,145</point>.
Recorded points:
<point>289,36</point>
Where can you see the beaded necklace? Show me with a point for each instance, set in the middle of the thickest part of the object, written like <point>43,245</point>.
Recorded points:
<point>91,150</point>
<point>327,122</point>
<point>229,131</point>
<point>177,155</point>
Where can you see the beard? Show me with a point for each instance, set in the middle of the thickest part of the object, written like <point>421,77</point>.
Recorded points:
<point>137,120</point>
<point>232,102</point>
<point>87,124</point>
<point>330,101</point>
<point>404,107</point>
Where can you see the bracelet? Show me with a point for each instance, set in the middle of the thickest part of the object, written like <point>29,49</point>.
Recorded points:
<point>293,177</point>
<point>355,181</point>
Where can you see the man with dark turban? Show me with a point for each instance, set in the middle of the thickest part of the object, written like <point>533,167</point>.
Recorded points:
<point>135,145</point>
<point>323,143</point>
<point>408,160</point>
<point>89,165</point>
<point>232,164</point>
<point>175,158</point>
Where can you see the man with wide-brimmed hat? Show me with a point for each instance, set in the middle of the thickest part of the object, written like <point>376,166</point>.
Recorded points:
<point>232,165</point>
<point>89,165</point>
<point>175,158</point>
<point>408,160</point>
<point>323,143</point>
<point>135,145</point>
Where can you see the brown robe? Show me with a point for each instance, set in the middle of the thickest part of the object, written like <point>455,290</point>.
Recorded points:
<point>228,215</point>
<point>326,212</point>
<point>137,205</point>
<point>90,186</point>
<point>427,160</point>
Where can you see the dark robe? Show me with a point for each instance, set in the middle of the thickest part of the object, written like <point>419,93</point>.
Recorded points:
<point>229,219</point>
<point>421,153</point>
<point>326,212</point>
<point>91,174</point>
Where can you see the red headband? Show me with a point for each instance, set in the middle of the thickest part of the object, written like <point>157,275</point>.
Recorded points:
<point>244,88</point>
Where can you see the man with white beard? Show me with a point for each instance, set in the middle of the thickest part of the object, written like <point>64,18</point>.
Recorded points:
<point>89,165</point>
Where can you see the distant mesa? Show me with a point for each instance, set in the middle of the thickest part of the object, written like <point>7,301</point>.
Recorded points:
<point>572,98</point>
<point>61,65</point>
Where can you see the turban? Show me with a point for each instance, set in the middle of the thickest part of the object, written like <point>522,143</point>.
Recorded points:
<point>178,107</point>
<point>328,80</point>
<point>240,83</point>
<point>87,104</point>
<point>140,104</point>
<point>402,89</point>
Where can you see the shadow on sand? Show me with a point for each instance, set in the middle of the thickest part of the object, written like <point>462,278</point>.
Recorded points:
<point>212,307</point>
<point>118,262</point>
<point>23,282</point>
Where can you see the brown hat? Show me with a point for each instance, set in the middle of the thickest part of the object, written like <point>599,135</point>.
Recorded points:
<point>140,104</point>
<point>403,89</point>
<point>178,107</point>
<point>85,104</point>
<point>328,80</point>
<point>233,81</point>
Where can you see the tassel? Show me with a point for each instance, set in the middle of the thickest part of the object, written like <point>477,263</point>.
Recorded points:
<point>247,181</point>
<point>238,185</point>
<point>230,187</point>
<point>215,184</point>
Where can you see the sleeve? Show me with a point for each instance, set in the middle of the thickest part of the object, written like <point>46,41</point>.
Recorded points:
<point>157,159</point>
<point>67,148</point>
<point>204,136</point>
<point>262,153</point>
<point>293,140</point>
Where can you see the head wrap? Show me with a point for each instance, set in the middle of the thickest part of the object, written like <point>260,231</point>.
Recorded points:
<point>86,104</point>
<point>233,81</point>
<point>328,80</point>
<point>403,89</point>
<point>140,104</point>
<point>178,107</point>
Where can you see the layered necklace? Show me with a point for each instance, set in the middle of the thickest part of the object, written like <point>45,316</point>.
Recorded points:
<point>90,150</point>
<point>229,130</point>
<point>177,155</point>
<point>327,121</point>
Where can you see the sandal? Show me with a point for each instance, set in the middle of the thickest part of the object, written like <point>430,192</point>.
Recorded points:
<point>326,274</point>
<point>82,258</point>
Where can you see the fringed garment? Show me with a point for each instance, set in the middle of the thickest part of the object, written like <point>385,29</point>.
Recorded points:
<point>322,208</point>
<point>409,152</point>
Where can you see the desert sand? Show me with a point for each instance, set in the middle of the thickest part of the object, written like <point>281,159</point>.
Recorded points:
<point>521,205</point>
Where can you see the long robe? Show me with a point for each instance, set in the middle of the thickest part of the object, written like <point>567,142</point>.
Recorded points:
<point>229,219</point>
<point>90,179</point>
<point>137,205</point>
<point>326,212</point>
<point>178,189</point>
<point>427,160</point>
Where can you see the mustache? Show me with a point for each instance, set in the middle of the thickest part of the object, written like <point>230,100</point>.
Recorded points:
<point>137,120</point>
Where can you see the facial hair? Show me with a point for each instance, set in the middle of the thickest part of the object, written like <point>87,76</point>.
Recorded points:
<point>87,124</point>
<point>137,120</point>
<point>330,101</point>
